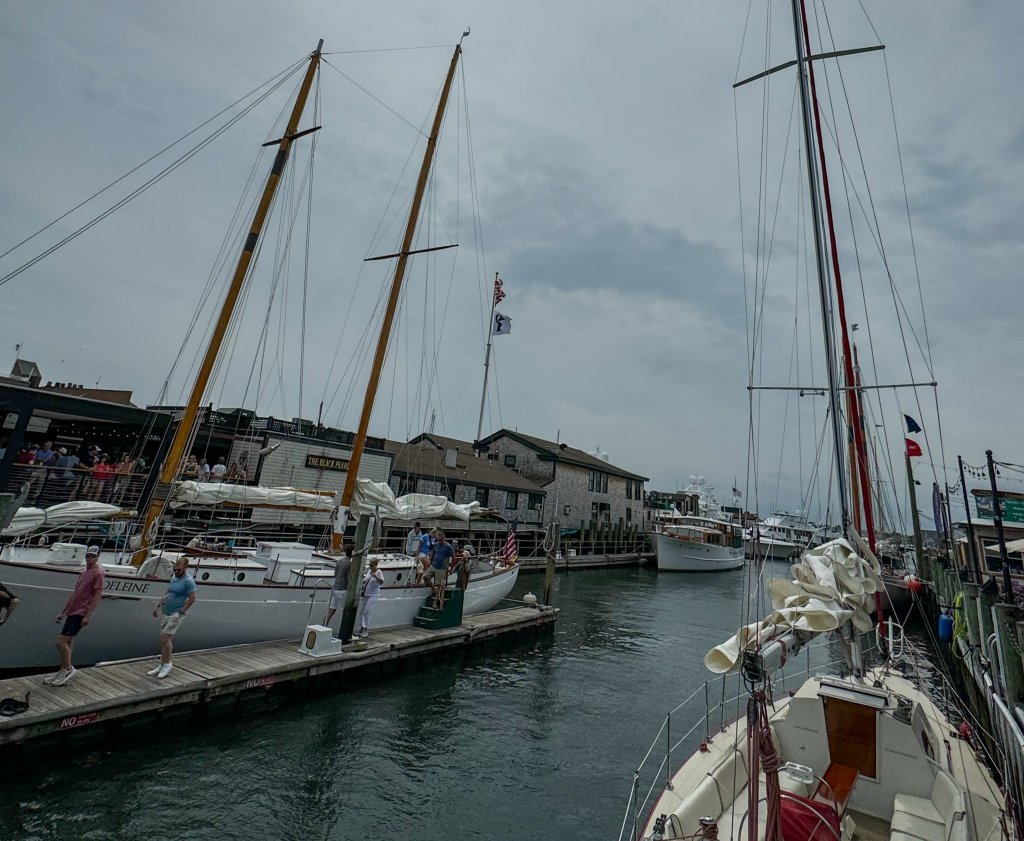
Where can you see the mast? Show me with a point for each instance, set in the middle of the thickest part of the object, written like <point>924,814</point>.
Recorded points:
<point>389,315</point>
<point>853,396</point>
<point>914,516</point>
<point>487,364</point>
<point>823,288</point>
<point>185,430</point>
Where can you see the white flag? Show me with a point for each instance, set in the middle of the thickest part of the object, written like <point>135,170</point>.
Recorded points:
<point>502,324</point>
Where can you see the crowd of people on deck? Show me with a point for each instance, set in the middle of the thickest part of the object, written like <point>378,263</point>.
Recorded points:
<point>60,474</point>
<point>88,472</point>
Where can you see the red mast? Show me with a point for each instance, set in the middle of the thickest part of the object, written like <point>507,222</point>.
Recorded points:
<point>854,402</point>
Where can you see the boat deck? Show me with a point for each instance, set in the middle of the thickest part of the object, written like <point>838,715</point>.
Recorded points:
<point>109,693</point>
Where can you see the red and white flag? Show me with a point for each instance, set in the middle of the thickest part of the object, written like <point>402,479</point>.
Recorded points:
<point>499,293</point>
<point>510,554</point>
<point>913,448</point>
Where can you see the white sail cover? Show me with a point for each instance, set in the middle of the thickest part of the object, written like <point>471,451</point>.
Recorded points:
<point>248,496</point>
<point>831,585</point>
<point>377,498</point>
<point>29,519</point>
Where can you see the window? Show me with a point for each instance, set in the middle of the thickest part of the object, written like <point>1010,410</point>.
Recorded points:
<point>406,485</point>
<point>605,511</point>
<point>535,502</point>
<point>598,482</point>
<point>594,512</point>
<point>512,500</point>
<point>590,484</point>
<point>482,496</point>
<point>492,456</point>
<point>604,483</point>
<point>510,461</point>
<point>629,515</point>
<point>629,489</point>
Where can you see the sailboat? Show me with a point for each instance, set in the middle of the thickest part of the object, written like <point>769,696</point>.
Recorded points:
<point>867,755</point>
<point>274,593</point>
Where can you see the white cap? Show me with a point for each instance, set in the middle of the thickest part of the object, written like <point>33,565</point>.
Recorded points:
<point>92,550</point>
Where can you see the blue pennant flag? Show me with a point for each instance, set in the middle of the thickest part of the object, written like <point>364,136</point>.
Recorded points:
<point>912,425</point>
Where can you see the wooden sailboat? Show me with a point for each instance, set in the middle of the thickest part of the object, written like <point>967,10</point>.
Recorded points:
<point>866,756</point>
<point>266,596</point>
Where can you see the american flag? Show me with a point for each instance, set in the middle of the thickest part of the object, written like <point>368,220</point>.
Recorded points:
<point>499,293</point>
<point>511,552</point>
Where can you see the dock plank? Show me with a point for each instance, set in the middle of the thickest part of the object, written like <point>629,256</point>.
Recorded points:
<point>118,690</point>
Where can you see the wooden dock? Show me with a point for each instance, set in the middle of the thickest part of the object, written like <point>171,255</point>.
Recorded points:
<point>107,695</point>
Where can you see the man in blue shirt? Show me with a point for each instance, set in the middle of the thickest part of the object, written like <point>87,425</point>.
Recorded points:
<point>441,554</point>
<point>181,594</point>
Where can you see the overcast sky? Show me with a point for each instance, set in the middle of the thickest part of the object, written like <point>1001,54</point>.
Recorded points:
<point>604,166</point>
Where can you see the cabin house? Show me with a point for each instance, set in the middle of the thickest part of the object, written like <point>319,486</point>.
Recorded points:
<point>436,464</point>
<point>579,486</point>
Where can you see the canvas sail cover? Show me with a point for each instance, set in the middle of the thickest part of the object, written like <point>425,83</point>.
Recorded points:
<point>249,496</point>
<point>28,519</point>
<point>377,498</point>
<point>832,584</point>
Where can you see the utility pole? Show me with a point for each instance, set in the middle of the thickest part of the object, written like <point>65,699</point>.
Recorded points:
<point>997,521</point>
<point>972,547</point>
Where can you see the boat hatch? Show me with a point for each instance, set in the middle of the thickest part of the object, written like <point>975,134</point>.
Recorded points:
<point>851,725</point>
<point>854,696</point>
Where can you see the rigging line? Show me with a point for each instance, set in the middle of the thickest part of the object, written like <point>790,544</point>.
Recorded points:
<point>380,102</point>
<point>305,264</point>
<point>906,202</point>
<point>377,233</point>
<point>478,232</point>
<point>390,50</point>
<point>896,297</point>
<point>230,244</point>
<point>285,73</point>
<point>134,193</point>
<point>227,252</point>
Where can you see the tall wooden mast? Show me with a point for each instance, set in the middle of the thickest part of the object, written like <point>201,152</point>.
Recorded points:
<point>183,435</point>
<point>389,314</point>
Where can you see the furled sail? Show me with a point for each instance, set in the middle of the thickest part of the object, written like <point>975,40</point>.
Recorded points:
<point>29,519</point>
<point>831,585</point>
<point>249,496</point>
<point>377,498</point>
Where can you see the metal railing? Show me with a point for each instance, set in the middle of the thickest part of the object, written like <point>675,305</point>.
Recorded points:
<point>661,776</point>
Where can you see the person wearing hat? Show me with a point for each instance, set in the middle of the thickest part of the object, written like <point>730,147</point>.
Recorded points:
<point>76,613</point>
<point>181,594</point>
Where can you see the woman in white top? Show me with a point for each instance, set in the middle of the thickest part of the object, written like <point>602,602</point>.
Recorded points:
<point>368,597</point>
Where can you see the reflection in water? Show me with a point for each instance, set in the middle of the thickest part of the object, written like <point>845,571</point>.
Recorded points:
<point>535,743</point>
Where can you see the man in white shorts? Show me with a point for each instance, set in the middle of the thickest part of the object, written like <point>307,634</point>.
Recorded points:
<point>181,595</point>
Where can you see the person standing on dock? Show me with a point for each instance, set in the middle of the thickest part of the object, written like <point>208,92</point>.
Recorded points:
<point>412,549</point>
<point>181,595</point>
<point>441,554</point>
<point>76,613</point>
<point>340,590</point>
<point>368,597</point>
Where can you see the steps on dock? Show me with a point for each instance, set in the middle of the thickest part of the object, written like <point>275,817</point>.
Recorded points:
<point>450,616</point>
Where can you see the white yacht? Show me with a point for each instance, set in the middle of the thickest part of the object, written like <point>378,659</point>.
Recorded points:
<point>706,542</point>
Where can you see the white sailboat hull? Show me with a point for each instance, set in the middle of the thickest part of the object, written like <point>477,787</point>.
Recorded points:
<point>224,613</point>
<point>679,555</point>
<point>774,550</point>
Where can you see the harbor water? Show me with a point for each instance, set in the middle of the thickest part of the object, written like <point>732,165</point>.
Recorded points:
<point>532,743</point>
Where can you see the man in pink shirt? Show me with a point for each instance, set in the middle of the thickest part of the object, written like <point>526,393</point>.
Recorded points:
<point>80,605</point>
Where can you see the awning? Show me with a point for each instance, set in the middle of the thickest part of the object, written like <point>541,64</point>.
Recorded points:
<point>1012,546</point>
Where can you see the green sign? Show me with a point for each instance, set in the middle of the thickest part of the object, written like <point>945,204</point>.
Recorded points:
<point>1011,507</point>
